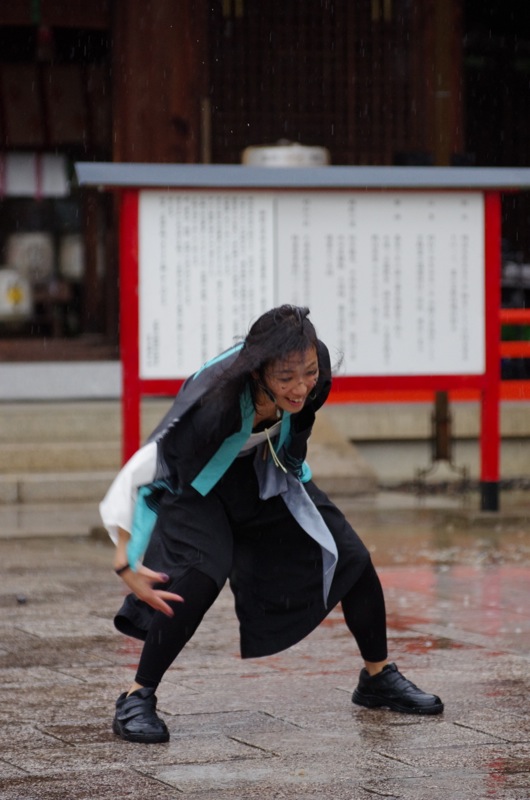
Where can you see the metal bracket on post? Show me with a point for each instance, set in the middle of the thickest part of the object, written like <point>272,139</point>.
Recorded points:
<point>441,443</point>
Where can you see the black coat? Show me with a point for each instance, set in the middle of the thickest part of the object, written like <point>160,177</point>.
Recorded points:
<point>275,568</point>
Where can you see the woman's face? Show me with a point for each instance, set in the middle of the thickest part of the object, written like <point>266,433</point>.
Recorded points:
<point>291,380</point>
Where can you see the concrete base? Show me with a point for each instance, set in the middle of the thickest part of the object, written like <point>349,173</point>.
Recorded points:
<point>338,466</point>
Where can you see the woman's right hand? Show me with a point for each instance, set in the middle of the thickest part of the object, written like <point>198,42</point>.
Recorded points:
<point>141,584</point>
<point>141,581</point>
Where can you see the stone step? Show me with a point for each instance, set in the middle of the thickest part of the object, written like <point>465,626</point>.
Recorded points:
<point>65,468</point>
<point>335,475</point>
<point>66,449</point>
<point>49,488</point>
<point>81,421</point>
<point>59,457</point>
<point>30,521</point>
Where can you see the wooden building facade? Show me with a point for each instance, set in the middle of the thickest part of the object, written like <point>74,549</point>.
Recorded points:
<point>376,82</point>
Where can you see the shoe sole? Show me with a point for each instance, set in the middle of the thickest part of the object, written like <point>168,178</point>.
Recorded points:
<point>139,738</point>
<point>372,701</point>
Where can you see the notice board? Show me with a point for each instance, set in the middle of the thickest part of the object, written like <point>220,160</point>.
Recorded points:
<point>394,280</point>
<point>400,267</point>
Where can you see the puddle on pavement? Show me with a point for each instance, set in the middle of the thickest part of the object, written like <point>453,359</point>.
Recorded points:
<point>127,648</point>
<point>414,534</point>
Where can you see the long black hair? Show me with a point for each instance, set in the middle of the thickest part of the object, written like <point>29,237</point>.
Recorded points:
<point>273,336</point>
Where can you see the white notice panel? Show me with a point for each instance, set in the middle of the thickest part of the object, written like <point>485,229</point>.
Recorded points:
<point>394,280</point>
<point>206,264</point>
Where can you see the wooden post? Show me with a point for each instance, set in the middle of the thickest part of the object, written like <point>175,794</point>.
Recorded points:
<point>160,70</point>
<point>447,78</point>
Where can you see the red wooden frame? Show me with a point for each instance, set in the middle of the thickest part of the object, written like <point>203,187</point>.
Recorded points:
<point>486,385</point>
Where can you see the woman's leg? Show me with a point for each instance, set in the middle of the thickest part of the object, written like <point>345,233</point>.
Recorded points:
<point>192,539</point>
<point>380,683</point>
<point>168,635</point>
<point>136,719</point>
<point>365,615</point>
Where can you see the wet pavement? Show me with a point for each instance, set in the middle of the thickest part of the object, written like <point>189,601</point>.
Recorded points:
<point>457,588</point>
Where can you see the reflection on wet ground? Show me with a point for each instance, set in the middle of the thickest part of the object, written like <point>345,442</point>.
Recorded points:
<point>456,586</point>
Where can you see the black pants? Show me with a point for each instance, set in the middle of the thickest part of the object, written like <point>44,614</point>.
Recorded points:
<point>273,565</point>
<point>363,607</point>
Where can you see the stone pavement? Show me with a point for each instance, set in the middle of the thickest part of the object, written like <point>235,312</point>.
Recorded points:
<point>457,586</point>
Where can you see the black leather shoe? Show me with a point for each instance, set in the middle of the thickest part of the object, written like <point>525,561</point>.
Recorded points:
<point>391,689</point>
<point>136,719</point>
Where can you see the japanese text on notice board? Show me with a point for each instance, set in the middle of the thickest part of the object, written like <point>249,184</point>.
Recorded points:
<point>394,280</point>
